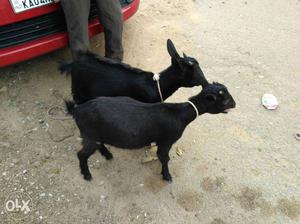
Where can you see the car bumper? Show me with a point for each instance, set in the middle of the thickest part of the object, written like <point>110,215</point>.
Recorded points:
<point>31,49</point>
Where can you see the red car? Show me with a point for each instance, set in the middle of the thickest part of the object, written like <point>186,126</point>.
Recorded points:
<point>29,28</point>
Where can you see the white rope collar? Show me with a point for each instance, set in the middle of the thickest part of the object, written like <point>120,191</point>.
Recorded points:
<point>195,108</point>
<point>156,78</point>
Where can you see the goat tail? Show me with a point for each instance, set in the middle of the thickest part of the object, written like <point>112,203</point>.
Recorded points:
<point>64,67</point>
<point>70,105</point>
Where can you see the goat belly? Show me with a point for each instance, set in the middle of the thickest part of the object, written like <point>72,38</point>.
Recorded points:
<point>119,121</point>
<point>118,135</point>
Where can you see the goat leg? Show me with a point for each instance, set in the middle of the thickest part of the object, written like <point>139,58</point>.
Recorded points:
<point>83,156</point>
<point>104,152</point>
<point>163,155</point>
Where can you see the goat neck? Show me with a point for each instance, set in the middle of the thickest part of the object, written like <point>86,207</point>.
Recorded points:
<point>169,81</point>
<point>188,113</point>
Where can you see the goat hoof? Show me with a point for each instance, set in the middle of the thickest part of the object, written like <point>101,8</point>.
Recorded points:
<point>87,177</point>
<point>167,177</point>
<point>109,156</point>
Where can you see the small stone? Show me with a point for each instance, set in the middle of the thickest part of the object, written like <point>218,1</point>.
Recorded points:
<point>36,164</point>
<point>101,183</point>
<point>47,155</point>
<point>15,161</point>
<point>43,194</point>
<point>103,197</point>
<point>179,152</point>
<point>3,89</point>
<point>150,154</point>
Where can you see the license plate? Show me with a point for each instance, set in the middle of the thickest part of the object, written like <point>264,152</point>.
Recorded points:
<point>24,5</point>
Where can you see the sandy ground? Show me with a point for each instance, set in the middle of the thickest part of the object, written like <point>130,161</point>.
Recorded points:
<point>243,167</point>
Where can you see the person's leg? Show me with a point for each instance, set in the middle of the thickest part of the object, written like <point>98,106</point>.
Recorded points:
<point>76,14</point>
<point>110,15</point>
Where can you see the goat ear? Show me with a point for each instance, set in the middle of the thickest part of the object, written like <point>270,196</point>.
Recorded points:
<point>172,50</point>
<point>211,97</point>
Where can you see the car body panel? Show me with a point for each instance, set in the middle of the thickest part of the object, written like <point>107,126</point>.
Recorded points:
<point>34,48</point>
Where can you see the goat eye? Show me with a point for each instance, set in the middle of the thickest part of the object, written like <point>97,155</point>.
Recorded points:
<point>190,63</point>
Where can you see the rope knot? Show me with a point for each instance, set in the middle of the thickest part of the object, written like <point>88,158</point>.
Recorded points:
<point>156,77</point>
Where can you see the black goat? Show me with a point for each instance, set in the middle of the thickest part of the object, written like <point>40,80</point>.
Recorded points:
<point>126,123</point>
<point>94,76</point>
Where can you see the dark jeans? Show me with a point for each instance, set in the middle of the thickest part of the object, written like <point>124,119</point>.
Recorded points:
<point>110,15</point>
